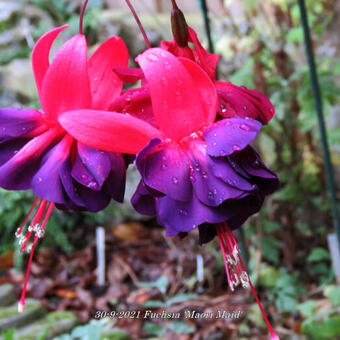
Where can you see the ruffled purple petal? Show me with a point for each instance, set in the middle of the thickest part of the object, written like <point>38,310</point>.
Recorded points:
<point>249,162</point>
<point>143,201</point>
<point>10,148</point>
<point>229,135</point>
<point>91,167</point>
<point>165,168</point>
<point>47,183</point>
<point>208,188</point>
<point>16,122</point>
<point>179,216</point>
<point>115,183</point>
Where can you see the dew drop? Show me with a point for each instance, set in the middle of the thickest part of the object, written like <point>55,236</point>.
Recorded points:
<point>164,81</point>
<point>192,179</point>
<point>92,185</point>
<point>183,212</point>
<point>214,144</point>
<point>175,180</point>
<point>167,65</point>
<point>178,93</point>
<point>244,107</point>
<point>39,179</point>
<point>164,167</point>
<point>152,57</point>
<point>244,127</point>
<point>211,195</point>
<point>236,147</point>
<point>228,122</point>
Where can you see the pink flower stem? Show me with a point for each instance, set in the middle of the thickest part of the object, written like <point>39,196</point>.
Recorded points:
<point>81,19</point>
<point>147,42</point>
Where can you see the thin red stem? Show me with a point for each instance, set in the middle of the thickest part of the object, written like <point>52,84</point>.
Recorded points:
<point>147,42</point>
<point>21,303</point>
<point>28,215</point>
<point>81,19</point>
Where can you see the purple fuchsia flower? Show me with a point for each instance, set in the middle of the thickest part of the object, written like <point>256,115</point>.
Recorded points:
<point>197,173</point>
<point>37,153</point>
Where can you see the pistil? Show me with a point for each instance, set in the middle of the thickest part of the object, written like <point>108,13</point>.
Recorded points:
<point>235,269</point>
<point>37,227</point>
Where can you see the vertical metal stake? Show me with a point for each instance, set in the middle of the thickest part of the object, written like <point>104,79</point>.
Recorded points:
<point>322,127</point>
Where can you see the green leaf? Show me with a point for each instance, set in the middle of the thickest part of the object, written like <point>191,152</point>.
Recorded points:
<point>318,254</point>
<point>180,298</point>
<point>307,308</point>
<point>161,284</point>
<point>322,330</point>
<point>154,304</point>
<point>180,327</point>
<point>154,329</point>
<point>270,249</point>
<point>333,294</point>
<point>268,276</point>
<point>9,335</point>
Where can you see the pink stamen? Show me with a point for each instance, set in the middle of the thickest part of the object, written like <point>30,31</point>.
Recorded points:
<point>81,19</point>
<point>36,226</point>
<point>147,42</point>
<point>228,244</point>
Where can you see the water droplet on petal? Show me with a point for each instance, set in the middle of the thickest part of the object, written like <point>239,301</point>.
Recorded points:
<point>183,212</point>
<point>244,127</point>
<point>214,144</point>
<point>192,179</point>
<point>152,57</point>
<point>164,81</point>
<point>167,65</point>
<point>175,180</point>
<point>39,179</point>
<point>236,147</point>
<point>228,122</point>
<point>244,107</point>
<point>211,195</point>
<point>164,167</point>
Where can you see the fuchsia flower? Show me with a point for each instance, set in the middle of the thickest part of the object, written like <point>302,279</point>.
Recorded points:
<point>37,153</point>
<point>196,172</point>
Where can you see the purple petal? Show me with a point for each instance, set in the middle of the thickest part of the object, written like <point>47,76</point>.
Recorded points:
<point>230,135</point>
<point>250,162</point>
<point>10,148</point>
<point>115,183</point>
<point>179,216</point>
<point>47,183</point>
<point>91,167</point>
<point>209,189</point>
<point>74,199</point>
<point>143,201</point>
<point>223,169</point>
<point>94,200</point>
<point>15,122</point>
<point>165,168</point>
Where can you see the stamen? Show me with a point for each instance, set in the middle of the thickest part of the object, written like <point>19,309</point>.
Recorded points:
<point>36,226</point>
<point>81,19</point>
<point>147,42</point>
<point>234,263</point>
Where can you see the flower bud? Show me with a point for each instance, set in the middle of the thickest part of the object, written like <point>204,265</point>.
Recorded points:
<point>179,26</point>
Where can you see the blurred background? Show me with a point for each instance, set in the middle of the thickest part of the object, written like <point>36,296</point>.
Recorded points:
<point>261,44</point>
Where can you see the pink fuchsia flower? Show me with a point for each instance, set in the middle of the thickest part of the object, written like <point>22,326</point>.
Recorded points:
<point>196,172</point>
<point>37,153</point>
